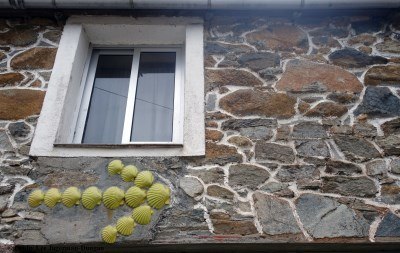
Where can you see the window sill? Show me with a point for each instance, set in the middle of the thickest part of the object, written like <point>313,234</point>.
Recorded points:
<point>118,146</point>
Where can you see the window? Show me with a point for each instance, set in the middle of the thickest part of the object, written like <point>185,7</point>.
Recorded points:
<point>124,86</point>
<point>132,96</point>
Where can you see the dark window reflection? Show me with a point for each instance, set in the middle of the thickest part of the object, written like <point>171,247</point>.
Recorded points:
<point>154,102</point>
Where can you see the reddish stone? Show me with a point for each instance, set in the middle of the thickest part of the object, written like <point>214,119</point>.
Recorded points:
<point>223,224</point>
<point>250,102</point>
<point>18,36</point>
<point>279,37</point>
<point>35,58</point>
<point>11,79</point>
<point>20,103</point>
<point>218,78</point>
<point>214,135</point>
<point>220,154</point>
<point>383,75</point>
<point>212,124</point>
<point>327,109</point>
<point>306,76</point>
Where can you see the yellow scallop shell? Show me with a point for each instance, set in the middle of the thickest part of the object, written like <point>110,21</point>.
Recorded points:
<point>144,179</point>
<point>113,197</point>
<point>52,197</point>
<point>109,234</point>
<point>125,225</point>
<point>91,197</point>
<point>36,198</point>
<point>71,197</point>
<point>135,196</point>
<point>142,214</point>
<point>158,195</point>
<point>129,173</point>
<point>115,167</point>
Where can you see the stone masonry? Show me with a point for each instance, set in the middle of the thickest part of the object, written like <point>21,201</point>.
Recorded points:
<point>302,138</point>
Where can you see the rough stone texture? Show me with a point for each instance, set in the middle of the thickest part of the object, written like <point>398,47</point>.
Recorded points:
<point>289,173</point>
<point>19,130</point>
<point>279,37</point>
<point>390,193</point>
<point>278,189</point>
<point>324,217</point>
<point>275,215</point>
<point>389,227</point>
<point>259,61</point>
<point>191,186</point>
<point>389,46</point>
<point>208,176</point>
<point>379,102</point>
<point>214,135</point>
<point>356,148</point>
<point>307,148</point>
<point>390,144</point>
<point>376,167</point>
<point>349,186</point>
<point>240,141</point>
<point>249,102</point>
<point>220,154</point>
<point>20,36</point>
<point>5,143</point>
<point>305,76</point>
<point>19,104</point>
<point>365,39</point>
<point>223,224</point>
<point>395,166</point>
<point>248,176</point>
<point>11,79</point>
<point>391,127</point>
<point>383,75</point>
<point>309,130</point>
<point>237,124</point>
<point>35,58</point>
<point>327,109</point>
<point>217,48</point>
<point>351,58</point>
<point>342,168</point>
<point>220,192</point>
<point>53,36</point>
<point>273,151</point>
<point>219,78</point>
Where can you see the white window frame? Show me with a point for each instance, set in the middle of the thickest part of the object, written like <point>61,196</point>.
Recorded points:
<point>88,82</point>
<point>57,122</point>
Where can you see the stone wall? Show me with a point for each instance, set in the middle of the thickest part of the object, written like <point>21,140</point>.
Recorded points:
<point>302,130</point>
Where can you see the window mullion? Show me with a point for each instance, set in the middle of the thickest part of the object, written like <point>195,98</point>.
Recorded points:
<point>130,103</point>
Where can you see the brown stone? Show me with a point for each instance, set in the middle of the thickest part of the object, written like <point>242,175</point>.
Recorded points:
<point>20,103</point>
<point>240,141</point>
<point>383,75</point>
<point>303,107</point>
<point>306,76</point>
<point>220,192</point>
<point>35,58</point>
<point>279,38</point>
<point>365,39</point>
<point>326,41</point>
<point>273,151</point>
<point>223,224</point>
<point>218,78</point>
<point>53,36</point>
<point>37,84</point>
<point>63,178</point>
<point>2,56</point>
<point>249,102</point>
<point>10,79</point>
<point>327,109</point>
<point>209,61</point>
<point>389,46</point>
<point>217,116</point>
<point>18,36</point>
<point>365,49</point>
<point>391,127</point>
<point>212,124</point>
<point>220,154</point>
<point>214,135</point>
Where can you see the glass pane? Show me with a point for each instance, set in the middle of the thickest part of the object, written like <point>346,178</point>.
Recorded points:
<point>154,102</point>
<point>105,120</point>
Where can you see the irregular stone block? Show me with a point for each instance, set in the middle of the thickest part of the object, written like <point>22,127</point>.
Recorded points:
<point>390,194</point>
<point>259,61</point>
<point>365,39</point>
<point>343,97</point>
<point>376,167</point>
<point>53,36</point>
<point>257,133</point>
<point>5,143</point>
<point>268,104</point>
<point>209,176</point>
<point>11,79</point>
<point>324,217</point>
<point>191,186</point>
<point>34,58</point>
<point>327,109</point>
<point>19,130</point>
<point>309,130</point>
<point>220,192</point>
<point>223,48</point>
<point>379,102</point>
<point>19,36</point>
<point>305,76</point>
<point>390,144</point>
<point>356,148</point>
<point>219,78</point>
<point>289,173</point>
<point>279,37</point>
<point>278,189</point>
<point>367,26</point>
<point>240,141</point>
<point>389,46</point>
<point>307,148</point>
<point>351,58</point>
<point>237,124</point>
<point>20,103</point>
<point>395,165</point>
<point>342,168</point>
<point>249,176</point>
<point>389,227</point>
<point>391,127</point>
<point>383,75</point>
<point>224,224</point>
<point>275,215</point>
<point>219,154</point>
<point>330,31</point>
<point>272,151</point>
<point>349,186</point>
<point>214,135</point>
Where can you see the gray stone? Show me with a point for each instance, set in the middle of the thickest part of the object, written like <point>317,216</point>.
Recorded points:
<point>390,193</point>
<point>257,133</point>
<point>222,48</point>
<point>220,192</point>
<point>390,144</point>
<point>367,26</point>
<point>249,176</point>
<point>211,100</point>
<point>389,46</point>
<point>356,148</point>
<point>31,237</point>
<point>342,168</point>
<point>376,167</point>
<point>324,217</point>
<point>308,184</point>
<point>4,189</point>
<point>237,124</point>
<point>351,58</point>
<point>275,215</point>
<point>191,186</point>
<point>270,73</point>
<point>389,226</point>
<point>278,189</point>
<point>364,129</point>
<point>309,130</point>
<point>259,61</point>
<point>307,148</point>
<point>395,165</point>
<point>349,186</point>
<point>391,127</point>
<point>8,213</point>
<point>289,173</point>
<point>3,202</point>
<point>209,176</point>
<point>19,130</point>
<point>273,151</point>
<point>5,143</point>
<point>379,102</point>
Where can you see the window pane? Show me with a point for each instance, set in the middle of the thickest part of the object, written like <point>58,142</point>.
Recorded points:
<point>154,102</point>
<point>105,120</point>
